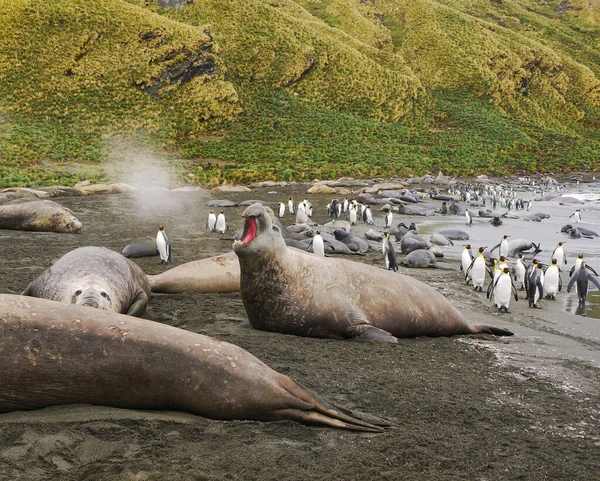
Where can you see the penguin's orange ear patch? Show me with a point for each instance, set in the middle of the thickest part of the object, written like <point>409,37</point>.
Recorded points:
<point>249,231</point>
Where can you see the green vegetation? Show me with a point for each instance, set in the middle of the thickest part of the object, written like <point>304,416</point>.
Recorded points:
<point>297,90</point>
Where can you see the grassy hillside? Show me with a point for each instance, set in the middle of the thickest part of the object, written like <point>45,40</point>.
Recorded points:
<point>301,89</point>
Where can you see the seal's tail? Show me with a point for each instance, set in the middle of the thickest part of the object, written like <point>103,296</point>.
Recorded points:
<point>487,329</point>
<point>314,411</point>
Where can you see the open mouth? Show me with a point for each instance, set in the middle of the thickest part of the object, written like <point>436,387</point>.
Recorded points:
<point>249,231</point>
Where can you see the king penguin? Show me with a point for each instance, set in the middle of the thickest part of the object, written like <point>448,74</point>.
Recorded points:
<point>552,281</point>
<point>468,217</point>
<point>534,282</point>
<point>502,246</point>
<point>577,215</point>
<point>291,205</point>
<point>389,254</point>
<point>503,289</point>
<point>222,224</point>
<point>582,278</point>
<point>520,270</point>
<point>318,244</point>
<point>559,254</point>
<point>281,212</point>
<point>477,270</point>
<point>352,215</point>
<point>211,222</point>
<point>163,245</point>
<point>389,218</point>
<point>465,260</point>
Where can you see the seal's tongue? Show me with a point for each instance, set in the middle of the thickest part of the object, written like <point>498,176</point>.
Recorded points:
<point>249,231</point>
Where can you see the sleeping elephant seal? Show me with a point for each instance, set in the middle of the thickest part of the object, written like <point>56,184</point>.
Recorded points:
<point>215,274</point>
<point>289,291</point>
<point>38,215</point>
<point>55,354</point>
<point>95,277</point>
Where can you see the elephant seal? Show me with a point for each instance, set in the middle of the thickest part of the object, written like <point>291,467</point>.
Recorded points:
<point>440,240</point>
<point>38,215</point>
<point>55,354</point>
<point>289,291</point>
<point>354,243</point>
<point>455,234</point>
<point>139,250</point>
<point>523,246</point>
<point>215,274</point>
<point>95,277</point>
<point>419,258</point>
<point>220,203</point>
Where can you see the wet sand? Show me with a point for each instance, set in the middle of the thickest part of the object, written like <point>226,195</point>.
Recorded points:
<point>466,407</point>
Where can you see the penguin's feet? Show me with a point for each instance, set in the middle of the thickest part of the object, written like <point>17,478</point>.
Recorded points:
<point>535,306</point>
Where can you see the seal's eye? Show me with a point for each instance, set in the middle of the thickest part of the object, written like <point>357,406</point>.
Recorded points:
<point>78,292</point>
<point>68,225</point>
<point>276,229</point>
<point>104,294</point>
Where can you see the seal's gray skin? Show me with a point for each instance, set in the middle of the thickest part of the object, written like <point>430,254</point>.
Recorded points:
<point>496,221</point>
<point>373,235</point>
<point>38,215</point>
<point>412,243</point>
<point>414,209</point>
<point>541,215</point>
<point>441,240</point>
<point>55,354</point>
<point>518,246</point>
<point>139,250</point>
<point>289,291</point>
<point>419,258</point>
<point>215,274</point>
<point>331,245</point>
<point>455,234</point>
<point>220,203</point>
<point>582,230</point>
<point>511,215</point>
<point>354,243</point>
<point>95,277</point>
<point>436,250</point>
<point>263,202</point>
<point>486,214</point>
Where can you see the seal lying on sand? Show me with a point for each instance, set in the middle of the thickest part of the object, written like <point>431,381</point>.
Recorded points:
<point>215,274</point>
<point>38,215</point>
<point>95,277</point>
<point>54,354</point>
<point>289,291</point>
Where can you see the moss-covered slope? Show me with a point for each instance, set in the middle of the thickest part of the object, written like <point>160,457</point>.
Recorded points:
<point>300,89</point>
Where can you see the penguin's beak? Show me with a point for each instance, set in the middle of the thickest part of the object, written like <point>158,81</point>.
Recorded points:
<point>249,231</point>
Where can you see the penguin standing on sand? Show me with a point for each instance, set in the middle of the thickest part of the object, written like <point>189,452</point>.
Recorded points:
<point>520,270</point>
<point>163,245</point>
<point>559,254</point>
<point>465,261</point>
<point>468,217</point>
<point>211,222</point>
<point>222,224</point>
<point>582,279</point>
<point>368,216</point>
<point>352,215</point>
<point>291,205</point>
<point>345,204</point>
<point>552,281</point>
<point>477,270</point>
<point>577,215</point>
<point>389,254</point>
<point>281,212</point>
<point>389,218</point>
<point>503,289</point>
<point>318,244</point>
<point>502,246</point>
<point>534,284</point>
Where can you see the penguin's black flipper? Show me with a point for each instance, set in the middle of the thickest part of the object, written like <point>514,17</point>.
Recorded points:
<point>571,271</point>
<point>595,281</point>
<point>571,282</point>
<point>490,289</point>
<point>497,246</point>
<point>469,269</point>
<point>309,246</point>
<point>590,268</point>
<point>514,290</point>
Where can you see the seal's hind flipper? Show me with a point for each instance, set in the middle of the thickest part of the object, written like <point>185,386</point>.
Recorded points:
<point>322,413</point>
<point>487,329</point>
<point>368,331</point>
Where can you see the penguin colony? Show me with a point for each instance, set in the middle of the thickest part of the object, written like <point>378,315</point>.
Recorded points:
<point>502,271</point>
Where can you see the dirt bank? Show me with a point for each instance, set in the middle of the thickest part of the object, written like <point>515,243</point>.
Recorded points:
<point>461,408</point>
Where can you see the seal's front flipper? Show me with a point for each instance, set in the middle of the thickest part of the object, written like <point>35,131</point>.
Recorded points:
<point>368,331</point>
<point>139,306</point>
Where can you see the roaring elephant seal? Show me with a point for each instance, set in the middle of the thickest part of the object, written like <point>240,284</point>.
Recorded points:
<point>95,277</point>
<point>38,215</point>
<point>215,274</point>
<point>289,291</point>
<point>55,354</point>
